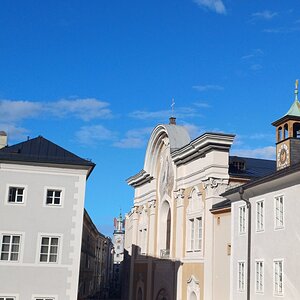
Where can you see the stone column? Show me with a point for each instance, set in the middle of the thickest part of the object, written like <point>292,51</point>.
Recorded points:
<point>151,229</point>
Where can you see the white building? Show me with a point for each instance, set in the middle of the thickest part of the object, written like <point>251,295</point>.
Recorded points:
<point>42,190</point>
<point>275,223</point>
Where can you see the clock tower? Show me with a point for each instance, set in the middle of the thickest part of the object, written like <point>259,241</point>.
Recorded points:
<point>288,135</point>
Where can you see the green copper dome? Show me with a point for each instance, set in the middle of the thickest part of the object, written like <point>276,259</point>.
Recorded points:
<point>294,110</point>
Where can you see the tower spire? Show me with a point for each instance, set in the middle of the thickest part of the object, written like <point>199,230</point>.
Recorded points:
<point>296,90</point>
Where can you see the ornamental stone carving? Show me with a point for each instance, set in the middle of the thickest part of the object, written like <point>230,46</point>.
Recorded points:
<point>215,186</point>
<point>179,196</point>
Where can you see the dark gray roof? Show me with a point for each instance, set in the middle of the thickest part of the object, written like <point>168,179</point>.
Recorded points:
<point>41,150</point>
<point>253,167</point>
<point>221,205</point>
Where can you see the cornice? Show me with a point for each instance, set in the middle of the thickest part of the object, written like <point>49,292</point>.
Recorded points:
<point>201,145</point>
<point>139,179</point>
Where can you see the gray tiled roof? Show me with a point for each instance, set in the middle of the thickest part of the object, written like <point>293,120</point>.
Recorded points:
<point>41,150</point>
<point>254,167</point>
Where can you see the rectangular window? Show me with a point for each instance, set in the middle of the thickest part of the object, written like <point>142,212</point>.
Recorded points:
<point>260,215</point>
<point>242,219</point>
<point>15,194</point>
<point>241,276</point>
<point>10,247</point>
<point>279,212</point>
<point>49,249</point>
<point>53,197</point>
<point>198,233</point>
<point>7,298</point>
<point>278,277</point>
<point>192,233</point>
<point>259,276</point>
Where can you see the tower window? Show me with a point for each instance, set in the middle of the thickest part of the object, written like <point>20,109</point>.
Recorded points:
<point>279,136</point>
<point>286,131</point>
<point>296,130</point>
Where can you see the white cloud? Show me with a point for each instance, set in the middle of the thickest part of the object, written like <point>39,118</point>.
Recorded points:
<point>193,130</point>
<point>164,115</point>
<point>253,54</point>
<point>14,132</point>
<point>214,5</point>
<point>256,67</point>
<point>282,30</point>
<point>202,104</point>
<point>135,138</point>
<point>85,109</point>
<point>265,15</point>
<point>202,88</point>
<point>15,111</point>
<point>90,135</point>
<point>265,152</point>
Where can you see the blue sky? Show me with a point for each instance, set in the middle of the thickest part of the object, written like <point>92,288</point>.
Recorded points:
<point>96,76</point>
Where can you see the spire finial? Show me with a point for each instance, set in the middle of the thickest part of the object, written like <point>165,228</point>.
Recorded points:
<point>296,90</point>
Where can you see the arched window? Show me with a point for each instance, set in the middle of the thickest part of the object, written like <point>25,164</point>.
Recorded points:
<point>162,295</point>
<point>165,230</point>
<point>140,294</point>
<point>296,130</point>
<point>279,134</point>
<point>193,296</point>
<point>286,131</point>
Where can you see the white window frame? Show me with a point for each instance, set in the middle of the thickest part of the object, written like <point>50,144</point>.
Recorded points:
<point>43,297</point>
<point>198,233</point>
<point>282,217</point>
<point>277,292</point>
<point>259,276</point>
<point>16,185</point>
<point>260,215</point>
<point>21,245</point>
<point>192,234</point>
<point>62,196</point>
<point>242,219</point>
<point>59,248</point>
<point>9,296</point>
<point>241,276</point>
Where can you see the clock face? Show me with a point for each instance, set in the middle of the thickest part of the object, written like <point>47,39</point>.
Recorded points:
<point>282,156</point>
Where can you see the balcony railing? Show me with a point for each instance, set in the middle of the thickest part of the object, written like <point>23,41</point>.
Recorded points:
<point>164,253</point>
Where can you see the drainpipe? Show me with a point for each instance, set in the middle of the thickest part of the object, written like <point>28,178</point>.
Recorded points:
<point>248,204</point>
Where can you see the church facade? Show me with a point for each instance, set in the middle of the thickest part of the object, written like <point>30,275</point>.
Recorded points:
<point>171,231</point>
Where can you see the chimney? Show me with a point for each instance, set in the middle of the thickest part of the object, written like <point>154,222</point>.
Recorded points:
<point>3,139</point>
<point>172,121</point>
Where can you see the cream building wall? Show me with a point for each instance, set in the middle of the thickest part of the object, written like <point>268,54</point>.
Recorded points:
<point>169,231</point>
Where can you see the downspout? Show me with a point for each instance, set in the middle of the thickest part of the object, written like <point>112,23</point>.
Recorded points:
<point>248,204</point>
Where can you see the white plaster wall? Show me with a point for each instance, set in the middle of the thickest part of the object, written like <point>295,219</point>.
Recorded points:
<point>29,276</point>
<point>272,244</point>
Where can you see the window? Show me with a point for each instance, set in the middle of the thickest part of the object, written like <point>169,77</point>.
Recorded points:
<point>198,239</point>
<point>47,298</point>
<point>278,277</point>
<point>241,276</point>
<point>242,219</point>
<point>16,194</point>
<point>260,215</point>
<point>194,224</point>
<point>259,276</point>
<point>192,232</point>
<point>53,197</point>
<point>10,247</point>
<point>7,298</point>
<point>279,212</point>
<point>49,249</point>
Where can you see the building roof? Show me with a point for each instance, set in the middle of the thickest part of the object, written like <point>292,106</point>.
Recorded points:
<point>251,168</point>
<point>294,109</point>
<point>41,150</point>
